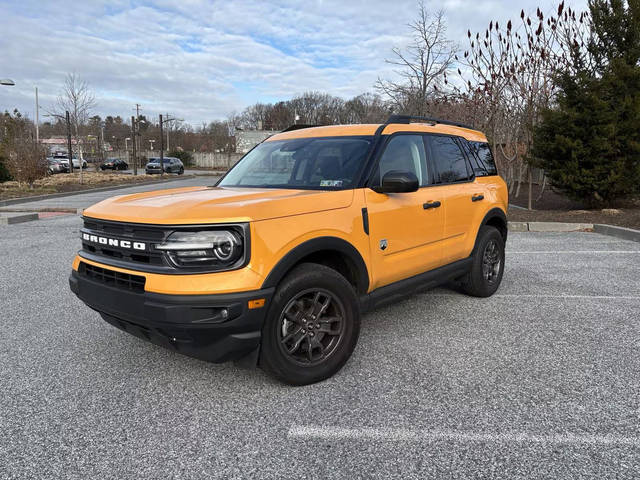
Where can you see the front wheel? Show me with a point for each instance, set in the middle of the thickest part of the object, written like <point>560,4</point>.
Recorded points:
<point>487,265</point>
<point>312,326</point>
<point>181,171</point>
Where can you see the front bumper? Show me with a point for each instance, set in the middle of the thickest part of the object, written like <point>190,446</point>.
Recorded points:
<point>193,325</point>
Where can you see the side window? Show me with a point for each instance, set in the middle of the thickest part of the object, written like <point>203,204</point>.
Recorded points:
<point>484,158</point>
<point>405,153</point>
<point>449,161</point>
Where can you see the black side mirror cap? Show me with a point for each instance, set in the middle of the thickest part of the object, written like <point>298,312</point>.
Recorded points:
<point>397,181</point>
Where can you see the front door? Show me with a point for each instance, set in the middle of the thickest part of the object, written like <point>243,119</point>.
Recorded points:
<point>405,229</point>
<point>462,196</point>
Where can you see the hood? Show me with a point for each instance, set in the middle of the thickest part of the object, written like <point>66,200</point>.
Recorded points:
<point>196,205</point>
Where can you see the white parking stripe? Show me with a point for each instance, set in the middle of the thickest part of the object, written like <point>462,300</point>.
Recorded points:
<point>525,295</point>
<point>573,251</point>
<point>410,435</point>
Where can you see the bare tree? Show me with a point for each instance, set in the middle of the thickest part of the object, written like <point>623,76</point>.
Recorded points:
<point>78,99</point>
<point>422,66</point>
<point>23,156</point>
<point>511,70</point>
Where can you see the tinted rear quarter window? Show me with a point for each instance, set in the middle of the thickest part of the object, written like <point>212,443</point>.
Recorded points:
<point>482,159</point>
<point>449,161</point>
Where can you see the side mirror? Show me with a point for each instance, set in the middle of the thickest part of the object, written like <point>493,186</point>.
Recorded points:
<point>396,181</point>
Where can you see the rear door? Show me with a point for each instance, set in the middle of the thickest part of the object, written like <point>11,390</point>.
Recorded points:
<point>405,228</point>
<point>462,195</point>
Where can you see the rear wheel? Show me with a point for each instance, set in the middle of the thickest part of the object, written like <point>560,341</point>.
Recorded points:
<point>312,326</point>
<point>487,264</point>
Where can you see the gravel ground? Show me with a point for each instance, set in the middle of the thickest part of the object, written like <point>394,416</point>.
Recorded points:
<point>539,381</point>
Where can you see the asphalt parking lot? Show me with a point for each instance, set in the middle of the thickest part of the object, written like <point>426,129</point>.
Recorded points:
<point>539,381</point>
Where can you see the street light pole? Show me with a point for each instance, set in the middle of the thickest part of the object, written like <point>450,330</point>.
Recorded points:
<point>135,157</point>
<point>37,118</point>
<point>161,149</point>
<point>70,155</point>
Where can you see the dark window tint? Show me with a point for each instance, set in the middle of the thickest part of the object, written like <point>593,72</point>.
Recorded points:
<point>449,160</point>
<point>304,163</point>
<point>482,159</point>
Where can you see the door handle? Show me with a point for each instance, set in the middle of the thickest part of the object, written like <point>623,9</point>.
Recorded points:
<point>477,198</point>
<point>429,205</point>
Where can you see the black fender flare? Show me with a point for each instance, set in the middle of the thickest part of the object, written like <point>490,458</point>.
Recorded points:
<point>314,245</point>
<point>490,215</point>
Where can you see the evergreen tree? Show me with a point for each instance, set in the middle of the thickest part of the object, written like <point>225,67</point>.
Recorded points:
<point>589,145</point>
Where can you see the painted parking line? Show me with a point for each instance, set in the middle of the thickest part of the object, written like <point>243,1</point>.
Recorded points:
<point>574,251</point>
<point>535,295</point>
<point>414,435</point>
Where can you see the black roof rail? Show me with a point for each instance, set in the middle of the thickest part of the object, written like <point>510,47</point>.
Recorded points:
<point>298,127</point>
<point>410,118</point>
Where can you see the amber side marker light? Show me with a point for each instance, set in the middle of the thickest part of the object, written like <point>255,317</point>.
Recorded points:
<point>257,303</point>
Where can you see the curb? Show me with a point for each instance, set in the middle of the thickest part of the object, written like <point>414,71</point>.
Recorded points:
<point>620,232</point>
<point>549,227</point>
<point>36,198</point>
<point>610,230</point>
<point>26,217</point>
<point>42,209</point>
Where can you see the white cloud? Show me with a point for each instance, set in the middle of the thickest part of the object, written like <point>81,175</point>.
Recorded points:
<point>201,60</point>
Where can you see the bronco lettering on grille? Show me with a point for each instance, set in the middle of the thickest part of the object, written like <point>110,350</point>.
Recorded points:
<point>114,242</point>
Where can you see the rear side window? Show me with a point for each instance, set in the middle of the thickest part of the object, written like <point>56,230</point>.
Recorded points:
<point>482,159</point>
<point>448,159</point>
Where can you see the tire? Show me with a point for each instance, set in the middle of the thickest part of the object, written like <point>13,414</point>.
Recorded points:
<point>484,278</point>
<point>308,287</point>
<point>181,171</point>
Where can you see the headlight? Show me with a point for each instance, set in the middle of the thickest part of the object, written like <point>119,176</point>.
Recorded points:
<point>208,249</point>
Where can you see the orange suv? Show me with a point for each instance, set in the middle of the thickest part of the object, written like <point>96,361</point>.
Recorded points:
<point>275,264</point>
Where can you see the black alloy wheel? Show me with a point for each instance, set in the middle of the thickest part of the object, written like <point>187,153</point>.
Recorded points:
<point>487,264</point>
<point>312,325</point>
<point>491,261</point>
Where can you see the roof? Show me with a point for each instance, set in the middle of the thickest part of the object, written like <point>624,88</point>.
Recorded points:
<point>370,129</point>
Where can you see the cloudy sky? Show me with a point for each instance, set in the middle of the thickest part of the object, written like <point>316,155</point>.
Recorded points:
<point>201,60</point>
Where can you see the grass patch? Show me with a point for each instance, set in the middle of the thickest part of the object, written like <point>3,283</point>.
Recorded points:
<point>66,182</point>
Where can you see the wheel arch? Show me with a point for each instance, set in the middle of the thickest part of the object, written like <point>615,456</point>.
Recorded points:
<point>330,251</point>
<point>496,217</point>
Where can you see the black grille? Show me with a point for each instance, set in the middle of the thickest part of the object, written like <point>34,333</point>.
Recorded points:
<point>134,283</point>
<point>150,235</point>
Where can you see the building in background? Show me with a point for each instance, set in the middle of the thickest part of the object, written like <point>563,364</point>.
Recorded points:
<point>247,139</point>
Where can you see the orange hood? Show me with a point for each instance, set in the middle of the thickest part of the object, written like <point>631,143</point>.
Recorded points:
<point>194,205</point>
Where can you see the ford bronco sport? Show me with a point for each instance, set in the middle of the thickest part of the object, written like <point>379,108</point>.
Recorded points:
<point>275,264</point>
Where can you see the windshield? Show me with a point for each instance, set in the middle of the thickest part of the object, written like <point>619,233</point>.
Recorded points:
<point>304,163</point>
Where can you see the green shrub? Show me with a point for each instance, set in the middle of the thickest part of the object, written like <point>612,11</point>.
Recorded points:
<point>185,157</point>
<point>5,176</point>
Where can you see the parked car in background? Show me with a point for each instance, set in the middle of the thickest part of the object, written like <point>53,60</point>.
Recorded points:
<point>114,164</point>
<point>55,166</point>
<point>171,165</point>
<point>76,162</point>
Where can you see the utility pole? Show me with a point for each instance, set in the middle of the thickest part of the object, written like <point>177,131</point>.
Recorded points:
<point>37,118</point>
<point>135,157</point>
<point>161,149</point>
<point>70,153</point>
<point>102,133</point>
<point>166,121</point>
<point>135,139</point>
